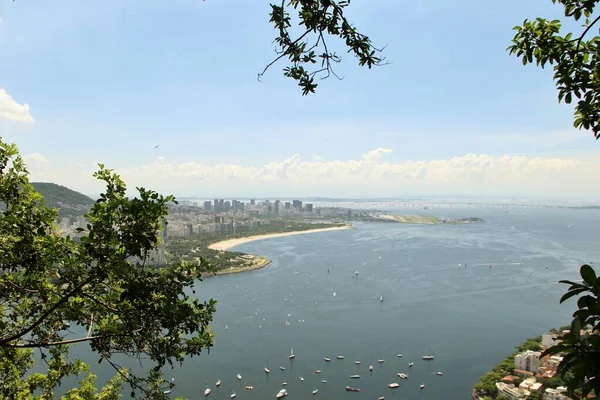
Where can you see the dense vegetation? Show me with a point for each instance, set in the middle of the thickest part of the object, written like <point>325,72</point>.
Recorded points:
<point>127,309</point>
<point>195,247</point>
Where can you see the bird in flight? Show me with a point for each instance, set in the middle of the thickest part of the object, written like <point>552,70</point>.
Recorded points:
<point>156,147</point>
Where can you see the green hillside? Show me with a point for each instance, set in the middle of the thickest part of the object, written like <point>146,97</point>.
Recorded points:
<point>57,195</point>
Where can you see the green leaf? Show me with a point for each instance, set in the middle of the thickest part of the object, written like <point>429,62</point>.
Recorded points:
<point>588,274</point>
<point>570,294</point>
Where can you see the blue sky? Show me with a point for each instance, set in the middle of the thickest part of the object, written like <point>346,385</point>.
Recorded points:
<point>107,81</point>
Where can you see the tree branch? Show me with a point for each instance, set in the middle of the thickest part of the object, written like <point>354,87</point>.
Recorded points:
<point>51,344</point>
<point>41,319</point>
<point>89,296</point>
<point>585,33</point>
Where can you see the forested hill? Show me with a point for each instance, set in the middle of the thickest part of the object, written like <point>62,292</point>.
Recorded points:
<point>56,195</point>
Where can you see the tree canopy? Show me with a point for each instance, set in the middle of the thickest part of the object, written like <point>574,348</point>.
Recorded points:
<point>575,57</point>
<point>100,283</point>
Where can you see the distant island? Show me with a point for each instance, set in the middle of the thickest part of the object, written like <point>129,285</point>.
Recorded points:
<point>418,219</point>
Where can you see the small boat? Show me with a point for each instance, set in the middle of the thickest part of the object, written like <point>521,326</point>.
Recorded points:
<point>281,368</point>
<point>315,391</point>
<point>399,355</point>
<point>267,370</point>
<point>439,373</point>
<point>281,393</point>
<point>422,386</point>
<point>380,361</point>
<point>317,371</point>
<point>323,381</point>
<point>232,395</point>
<point>393,385</point>
<point>226,327</point>
<point>284,384</point>
<point>356,362</point>
<point>381,398</point>
<point>301,379</point>
<point>334,294</point>
<point>249,387</point>
<point>207,392</point>
<point>340,357</point>
<point>218,383</point>
<point>356,273</point>
<point>292,356</point>
<point>352,389</point>
<point>239,377</point>
<point>370,368</point>
<point>167,391</point>
<point>327,359</point>
<point>354,376</point>
<point>402,376</point>
<point>428,357</point>
<point>411,364</point>
<point>381,299</point>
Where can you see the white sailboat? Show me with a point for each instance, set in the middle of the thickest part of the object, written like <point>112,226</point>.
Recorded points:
<point>267,370</point>
<point>239,376</point>
<point>207,392</point>
<point>356,273</point>
<point>292,355</point>
<point>422,386</point>
<point>315,391</point>
<point>281,393</point>
<point>428,356</point>
<point>218,383</point>
<point>393,385</point>
<point>381,299</point>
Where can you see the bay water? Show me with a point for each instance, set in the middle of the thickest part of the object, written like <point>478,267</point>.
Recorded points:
<point>467,293</point>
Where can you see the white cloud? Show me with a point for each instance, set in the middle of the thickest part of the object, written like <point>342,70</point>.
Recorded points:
<point>471,174</point>
<point>12,110</point>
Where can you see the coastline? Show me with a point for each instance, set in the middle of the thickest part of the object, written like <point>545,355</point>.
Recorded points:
<point>258,263</point>
<point>229,243</point>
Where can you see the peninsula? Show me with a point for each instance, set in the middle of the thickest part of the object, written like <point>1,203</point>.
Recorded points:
<point>418,219</point>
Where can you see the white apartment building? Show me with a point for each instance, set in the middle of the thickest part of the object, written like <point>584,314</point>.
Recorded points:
<point>528,361</point>
<point>555,394</point>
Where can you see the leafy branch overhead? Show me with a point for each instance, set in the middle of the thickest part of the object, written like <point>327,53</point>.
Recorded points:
<point>308,54</point>
<point>575,58</point>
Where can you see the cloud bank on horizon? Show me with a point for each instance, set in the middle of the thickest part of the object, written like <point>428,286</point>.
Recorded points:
<point>370,175</point>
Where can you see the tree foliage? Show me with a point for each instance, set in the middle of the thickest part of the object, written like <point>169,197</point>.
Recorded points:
<point>100,284</point>
<point>307,53</point>
<point>575,58</point>
<point>580,366</point>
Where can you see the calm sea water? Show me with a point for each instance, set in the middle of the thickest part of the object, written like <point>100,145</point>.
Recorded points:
<point>470,316</point>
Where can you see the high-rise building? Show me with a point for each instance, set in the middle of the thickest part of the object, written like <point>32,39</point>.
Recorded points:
<point>308,207</point>
<point>227,206</point>
<point>276,208</point>
<point>207,206</point>
<point>297,204</point>
<point>216,207</point>
<point>288,205</point>
<point>252,202</point>
<point>189,229</point>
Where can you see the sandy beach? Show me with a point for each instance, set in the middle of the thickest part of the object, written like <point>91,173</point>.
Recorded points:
<point>227,244</point>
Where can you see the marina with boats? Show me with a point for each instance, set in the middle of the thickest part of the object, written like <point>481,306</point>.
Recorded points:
<point>281,393</point>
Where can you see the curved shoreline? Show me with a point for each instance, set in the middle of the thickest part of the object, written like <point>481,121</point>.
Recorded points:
<point>229,243</point>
